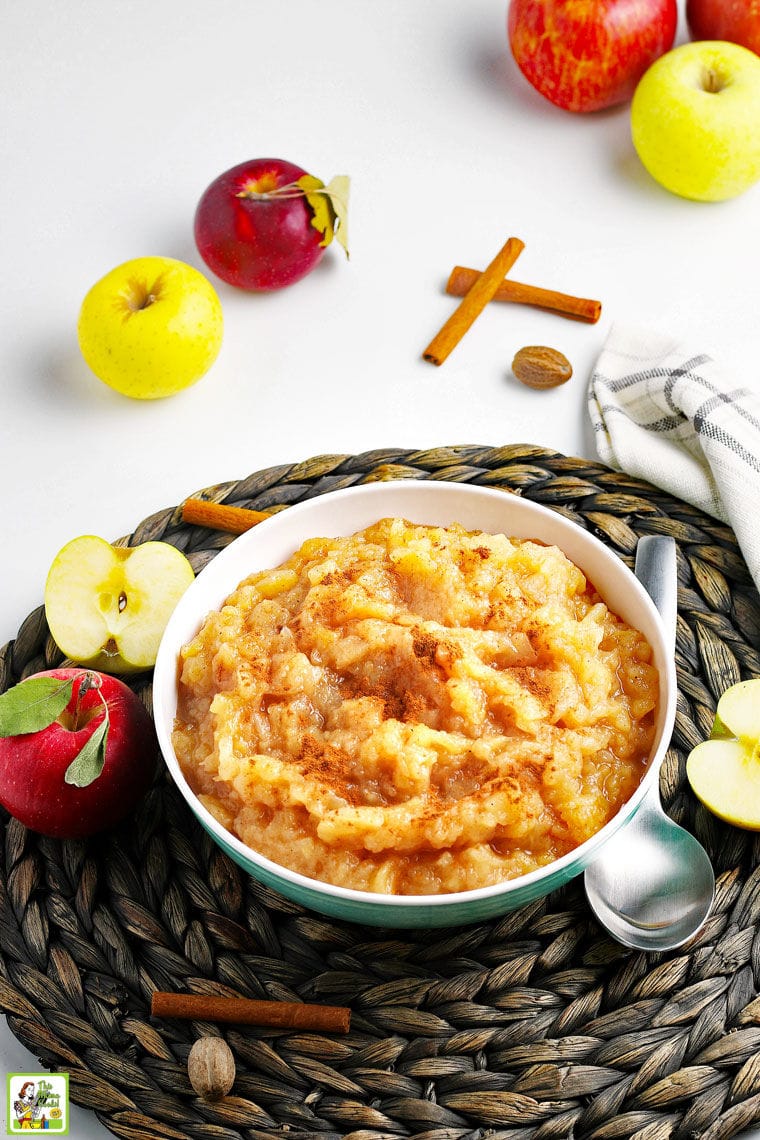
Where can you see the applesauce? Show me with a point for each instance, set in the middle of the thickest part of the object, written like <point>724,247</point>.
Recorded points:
<point>415,709</point>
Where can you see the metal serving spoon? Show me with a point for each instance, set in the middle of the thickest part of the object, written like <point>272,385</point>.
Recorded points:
<point>652,885</point>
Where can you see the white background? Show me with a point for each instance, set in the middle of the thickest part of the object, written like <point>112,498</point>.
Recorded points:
<point>114,118</point>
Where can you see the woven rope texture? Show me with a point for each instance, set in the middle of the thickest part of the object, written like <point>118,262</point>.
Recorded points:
<point>529,1027</point>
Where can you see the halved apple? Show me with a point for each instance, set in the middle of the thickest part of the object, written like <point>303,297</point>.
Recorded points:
<point>724,771</point>
<point>107,606</point>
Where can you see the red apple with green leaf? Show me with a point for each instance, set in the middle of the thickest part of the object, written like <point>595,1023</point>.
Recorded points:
<point>77,751</point>
<point>737,21</point>
<point>265,224</point>
<point>585,55</point>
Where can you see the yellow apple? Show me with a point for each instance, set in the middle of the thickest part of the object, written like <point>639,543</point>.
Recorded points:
<point>107,606</point>
<point>151,327</point>
<point>694,120</point>
<point>724,771</point>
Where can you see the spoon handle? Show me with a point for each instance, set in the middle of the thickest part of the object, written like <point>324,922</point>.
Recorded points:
<point>656,569</point>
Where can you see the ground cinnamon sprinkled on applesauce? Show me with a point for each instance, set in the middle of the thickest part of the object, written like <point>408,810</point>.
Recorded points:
<point>415,709</point>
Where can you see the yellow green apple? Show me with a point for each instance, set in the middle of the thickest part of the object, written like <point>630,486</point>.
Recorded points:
<point>694,120</point>
<point>107,606</point>
<point>724,771</point>
<point>151,327</point>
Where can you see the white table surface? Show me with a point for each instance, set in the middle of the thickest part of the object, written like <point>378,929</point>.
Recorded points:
<point>114,119</point>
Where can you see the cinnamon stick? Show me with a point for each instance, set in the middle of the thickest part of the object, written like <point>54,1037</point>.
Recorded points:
<point>248,1011</point>
<point>474,301</point>
<point>462,279</point>
<point>221,516</point>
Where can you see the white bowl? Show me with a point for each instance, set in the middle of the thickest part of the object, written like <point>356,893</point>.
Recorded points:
<point>434,503</point>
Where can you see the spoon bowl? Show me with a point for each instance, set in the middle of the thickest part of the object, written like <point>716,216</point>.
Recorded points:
<point>652,886</point>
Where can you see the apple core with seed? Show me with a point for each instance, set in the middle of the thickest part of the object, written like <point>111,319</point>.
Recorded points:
<point>107,606</point>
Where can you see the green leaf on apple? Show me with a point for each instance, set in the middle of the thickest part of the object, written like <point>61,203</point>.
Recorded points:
<point>33,704</point>
<point>330,206</point>
<point>88,763</point>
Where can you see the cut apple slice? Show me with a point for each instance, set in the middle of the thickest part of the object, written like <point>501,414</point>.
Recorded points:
<point>738,711</point>
<point>724,771</point>
<point>107,606</point>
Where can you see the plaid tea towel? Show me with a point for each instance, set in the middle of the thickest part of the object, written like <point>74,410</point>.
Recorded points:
<point>666,414</point>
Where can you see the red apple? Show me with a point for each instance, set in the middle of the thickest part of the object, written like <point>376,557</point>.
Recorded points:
<point>102,716</point>
<point>584,55</point>
<point>737,21</point>
<point>265,224</point>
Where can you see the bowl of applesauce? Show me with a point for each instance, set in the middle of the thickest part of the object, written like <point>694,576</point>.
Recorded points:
<point>414,703</point>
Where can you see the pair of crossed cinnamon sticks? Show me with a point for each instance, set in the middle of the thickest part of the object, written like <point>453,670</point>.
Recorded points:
<point>477,289</point>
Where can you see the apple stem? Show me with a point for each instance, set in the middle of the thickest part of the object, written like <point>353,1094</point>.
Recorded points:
<point>141,294</point>
<point>290,190</point>
<point>89,681</point>
<point>712,82</point>
<point>90,760</point>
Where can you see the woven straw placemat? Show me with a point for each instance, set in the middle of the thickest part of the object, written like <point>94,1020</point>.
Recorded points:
<point>535,1025</point>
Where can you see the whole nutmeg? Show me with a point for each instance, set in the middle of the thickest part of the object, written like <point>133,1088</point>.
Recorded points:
<point>211,1067</point>
<point>541,367</point>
